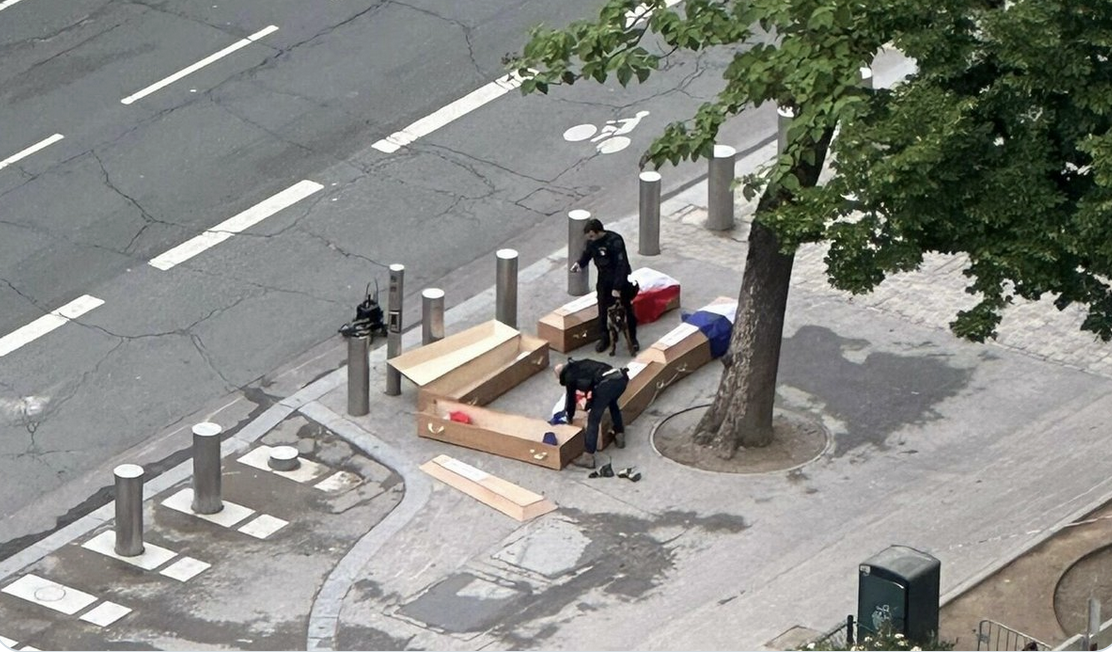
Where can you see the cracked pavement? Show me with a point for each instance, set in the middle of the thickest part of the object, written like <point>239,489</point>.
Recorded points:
<point>123,382</point>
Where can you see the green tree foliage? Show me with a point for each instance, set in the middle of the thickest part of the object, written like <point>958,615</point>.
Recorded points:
<point>998,148</point>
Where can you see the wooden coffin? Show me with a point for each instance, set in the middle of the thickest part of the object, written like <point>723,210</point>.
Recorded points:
<point>506,497</point>
<point>509,435</point>
<point>571,325</point>
<point>490,375</point>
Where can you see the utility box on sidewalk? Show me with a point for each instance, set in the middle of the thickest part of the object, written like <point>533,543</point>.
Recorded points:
<point>899,585</point>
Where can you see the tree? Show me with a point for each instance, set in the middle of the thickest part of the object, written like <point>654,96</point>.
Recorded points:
<point>998,148</point>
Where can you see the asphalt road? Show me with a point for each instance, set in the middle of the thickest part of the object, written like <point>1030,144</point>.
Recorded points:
<point>139,170</point>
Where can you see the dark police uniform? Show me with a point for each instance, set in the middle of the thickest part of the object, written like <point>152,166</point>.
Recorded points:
<point>606,385</point>
<point>609,254</point>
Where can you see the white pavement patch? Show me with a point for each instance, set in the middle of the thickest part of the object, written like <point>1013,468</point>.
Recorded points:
<point>307,470</point>
<point>242,43</point>
<point>47,323</point>
<point>264,526</point>
<point>236,224</point>
<point>51,595</point>
<point>105,613</point>
<point>447,114</point>
<point>20,155</point>
<point>151,558</point>
<point>185,569</point>
<point>339,481</point>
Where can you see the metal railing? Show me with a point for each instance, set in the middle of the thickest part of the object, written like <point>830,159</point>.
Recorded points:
<point>991,635</point>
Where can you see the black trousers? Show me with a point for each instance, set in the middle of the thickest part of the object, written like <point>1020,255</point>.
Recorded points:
<point>605,396</point>
<point>605,296</point>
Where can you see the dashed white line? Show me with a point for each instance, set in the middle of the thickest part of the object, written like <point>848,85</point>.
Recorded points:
<point>47,323</point>
<point>7,3</point>
<point>42,144</point>
<point>447,114</point>
<point>234,225</point>
<point>242,43</point>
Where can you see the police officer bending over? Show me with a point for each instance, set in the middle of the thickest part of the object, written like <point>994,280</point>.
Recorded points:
<point>606,385</point>
<point>608,250</point>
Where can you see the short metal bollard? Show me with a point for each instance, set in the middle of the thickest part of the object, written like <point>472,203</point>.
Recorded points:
<point>359,375</point>
<point>505,292</point>
<point>129,510</point>
<point>784,117</point>
<point>648,235</point>
<point>206,468</point>
<point>432,315</point>
<point>578,282</point>
<point>394,328</point>
<point>720,192</point>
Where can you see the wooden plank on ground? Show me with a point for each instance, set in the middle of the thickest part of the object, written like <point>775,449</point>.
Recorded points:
<point>508,498</point>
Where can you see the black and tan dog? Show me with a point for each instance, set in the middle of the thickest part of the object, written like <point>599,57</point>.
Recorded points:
<point>616,323</point>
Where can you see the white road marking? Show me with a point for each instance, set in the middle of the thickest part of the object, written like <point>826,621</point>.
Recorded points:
<point>242,43</point>
<point>151,558</point>
<point>47,323</point>
<point>264,526</point>
<point>43,144</point>
<point>185,569</point>
<point>448,114</point>
<point>227,517</point>
<point>7,3</point>
<point>233,225</point>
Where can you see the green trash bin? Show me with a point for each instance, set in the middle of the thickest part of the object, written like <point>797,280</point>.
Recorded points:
<point>899,585</point>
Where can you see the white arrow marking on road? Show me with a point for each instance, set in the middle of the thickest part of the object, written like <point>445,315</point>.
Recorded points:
<point>234,225</point>
<point>200,64</point>
<point>7,3</point>
<point>447,114</point>
<point>47,323</point>
<point>18,156</point>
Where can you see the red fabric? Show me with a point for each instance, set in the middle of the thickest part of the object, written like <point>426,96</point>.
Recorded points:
<point>649,305</point>
<point>461,417</point>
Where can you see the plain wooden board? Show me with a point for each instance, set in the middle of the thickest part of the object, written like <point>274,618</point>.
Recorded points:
<point>427,363</point>
<point>510,499</point>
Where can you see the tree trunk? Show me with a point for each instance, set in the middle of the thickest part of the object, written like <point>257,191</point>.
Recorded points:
<point>742,410</point>
<point>741,414</point>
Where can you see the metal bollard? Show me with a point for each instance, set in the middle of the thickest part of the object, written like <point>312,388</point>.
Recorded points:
<point>206,468</point>
<point>359,375</point>
<point>720,194</point>
<point>648,236</point>
<point>578,282</point>
<point>432,315</point>
<point>394,328</point>
<point>129,510</point>
<point>505,292</point>
<point>784,117</point>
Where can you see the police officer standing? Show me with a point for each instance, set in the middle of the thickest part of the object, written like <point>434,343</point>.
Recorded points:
<point>608,251</point>
<point>606,385</point>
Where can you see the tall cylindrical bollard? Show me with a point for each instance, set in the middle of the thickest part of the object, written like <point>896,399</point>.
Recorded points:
<point>578,282</point>
<point>648,236</point>
<point>505,287</point>
<point>784,117</point>
<point>359,375</point>
<point>129,510</point>
<point>432,315</point>
<point>394,328</point>
<point>720,193</point>
<point>206,468</point>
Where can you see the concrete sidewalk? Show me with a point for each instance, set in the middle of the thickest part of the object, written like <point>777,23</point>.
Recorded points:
<point>973,453</point>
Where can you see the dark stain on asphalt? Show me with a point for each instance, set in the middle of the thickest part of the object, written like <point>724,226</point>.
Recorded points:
<point>874,398</point>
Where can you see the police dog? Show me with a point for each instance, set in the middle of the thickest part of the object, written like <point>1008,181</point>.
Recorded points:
<point>616,322</point>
